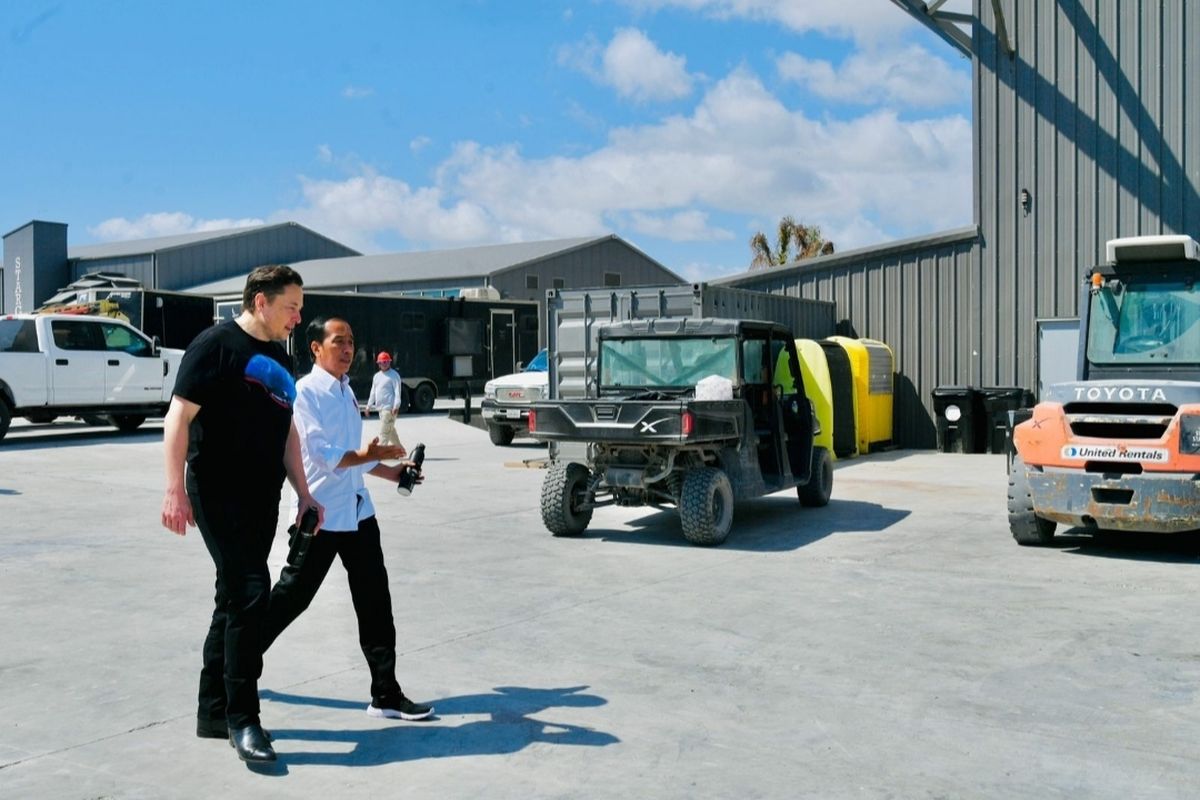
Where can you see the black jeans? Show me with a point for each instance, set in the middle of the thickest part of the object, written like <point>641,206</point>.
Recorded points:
<point>238,534</point>
<point>362,557</point>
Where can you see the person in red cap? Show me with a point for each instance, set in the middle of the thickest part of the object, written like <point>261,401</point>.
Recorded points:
<point>385,398</point>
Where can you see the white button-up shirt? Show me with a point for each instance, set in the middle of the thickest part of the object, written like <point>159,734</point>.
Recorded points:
<point>327,418</point>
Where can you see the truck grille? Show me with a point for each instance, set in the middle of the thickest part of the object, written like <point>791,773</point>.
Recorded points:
<point>1139,421</point>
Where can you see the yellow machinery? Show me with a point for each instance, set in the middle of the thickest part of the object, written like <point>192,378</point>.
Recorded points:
<point>871,364</point>
<point>815,371</point>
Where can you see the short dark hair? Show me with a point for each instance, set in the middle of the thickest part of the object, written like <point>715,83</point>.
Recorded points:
<point>271,281</point>
<point>315,332</point>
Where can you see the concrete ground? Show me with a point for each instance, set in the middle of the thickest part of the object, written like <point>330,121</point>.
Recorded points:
<point>896,644</point>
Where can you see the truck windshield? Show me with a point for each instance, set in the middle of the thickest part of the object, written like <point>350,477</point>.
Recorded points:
<point>666,362</point>
<point>1151,320</point>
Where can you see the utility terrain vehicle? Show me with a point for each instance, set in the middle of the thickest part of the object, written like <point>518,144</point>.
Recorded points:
<point>652,441</point>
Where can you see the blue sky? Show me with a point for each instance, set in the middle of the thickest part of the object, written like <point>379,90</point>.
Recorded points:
<point>681,125</point>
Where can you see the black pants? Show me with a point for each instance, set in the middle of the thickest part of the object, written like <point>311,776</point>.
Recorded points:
<point>362,557</point>
<point>238,535</point>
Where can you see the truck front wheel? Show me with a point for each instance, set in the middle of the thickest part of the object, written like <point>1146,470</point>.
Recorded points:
<point>1026,526</point>
<point>501,435</point>
<point>563,492</point>
<point>706,506</point>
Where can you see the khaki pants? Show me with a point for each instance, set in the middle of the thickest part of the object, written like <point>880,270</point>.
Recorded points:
<point>387,427</point>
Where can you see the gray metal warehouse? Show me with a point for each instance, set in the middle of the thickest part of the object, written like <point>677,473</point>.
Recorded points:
<point>518,271</point>
<point>38,261</point>
<point>1081,115</point>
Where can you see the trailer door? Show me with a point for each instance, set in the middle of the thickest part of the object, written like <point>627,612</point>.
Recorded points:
<point>504,343</point>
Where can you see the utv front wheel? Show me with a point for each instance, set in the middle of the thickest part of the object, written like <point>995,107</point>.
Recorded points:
<point>1026,526</point>
<point>815,493</point>
<point>706,506</point>
<point>563,492</point>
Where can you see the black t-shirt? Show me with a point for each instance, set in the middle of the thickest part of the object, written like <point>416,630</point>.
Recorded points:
<point>245,390</point>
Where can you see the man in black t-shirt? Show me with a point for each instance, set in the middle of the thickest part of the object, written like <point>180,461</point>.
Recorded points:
<point>231,419</point>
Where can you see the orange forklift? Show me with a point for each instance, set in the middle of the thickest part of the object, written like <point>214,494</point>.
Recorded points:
<point>1119,447</point>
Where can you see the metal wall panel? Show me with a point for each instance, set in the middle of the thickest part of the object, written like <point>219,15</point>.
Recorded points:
<point>139,267</point>
<point>203,262</point>
<point>1089,115</point>
<point>920,298</point>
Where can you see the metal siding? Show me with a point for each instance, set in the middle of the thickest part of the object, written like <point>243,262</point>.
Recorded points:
<point>923,303</point>
<point>140,267</point>
<point>207,261</point>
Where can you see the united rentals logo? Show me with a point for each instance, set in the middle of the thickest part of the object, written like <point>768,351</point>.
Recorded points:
<point>1092,452</point>
<point>1124,393</point>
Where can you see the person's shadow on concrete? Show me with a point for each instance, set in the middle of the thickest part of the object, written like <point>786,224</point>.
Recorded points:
<point>509,727</point>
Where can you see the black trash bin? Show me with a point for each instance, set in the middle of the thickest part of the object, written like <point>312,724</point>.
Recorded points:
<point>955,410</point>
<point>993,430</point>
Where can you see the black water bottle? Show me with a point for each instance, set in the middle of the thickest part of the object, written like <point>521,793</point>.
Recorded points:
<point>408,478</point>
<point>300,538</point>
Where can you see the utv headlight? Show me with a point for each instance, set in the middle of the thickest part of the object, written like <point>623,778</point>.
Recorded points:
<point>1189,434</point>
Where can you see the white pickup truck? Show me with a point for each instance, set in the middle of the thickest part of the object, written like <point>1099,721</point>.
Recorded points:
<point>507,400</point>
<point>98,368</point>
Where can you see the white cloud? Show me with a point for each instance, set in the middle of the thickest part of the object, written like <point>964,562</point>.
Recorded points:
<point>682,226</point>
<point>636,68</point>
<point>740,152</point>
<point>631,64</point>
<point>909,76</point>
<point>166,223</point>
<point>355,210</point>
<point>419,143</point>
<point>357,92</point>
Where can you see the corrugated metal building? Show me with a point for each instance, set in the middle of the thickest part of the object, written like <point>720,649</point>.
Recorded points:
<point>1081,114</point>
<point>37,254</point>
<point>518,271</point>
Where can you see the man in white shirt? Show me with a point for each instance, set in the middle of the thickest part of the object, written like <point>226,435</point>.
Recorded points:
<point>385,398</point>
<point>330,428</point>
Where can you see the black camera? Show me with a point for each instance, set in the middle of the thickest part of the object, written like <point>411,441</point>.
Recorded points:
<point>408,478</point>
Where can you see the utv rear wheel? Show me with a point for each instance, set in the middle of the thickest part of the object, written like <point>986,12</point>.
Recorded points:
<point>816,492</point>
<point>1026,526</point>
<point>128,422</point>
<point>706,506</point>
<point>500,435</point>
<point>563,492</point>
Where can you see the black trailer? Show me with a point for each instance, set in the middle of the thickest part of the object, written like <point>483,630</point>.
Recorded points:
<point>440,346</point>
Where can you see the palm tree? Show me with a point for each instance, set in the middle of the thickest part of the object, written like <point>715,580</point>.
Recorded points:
<point>794,241</point>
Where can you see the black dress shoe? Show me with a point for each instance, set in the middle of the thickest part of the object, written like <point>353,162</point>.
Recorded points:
<point>251,743</point>
<point>219,729</point>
